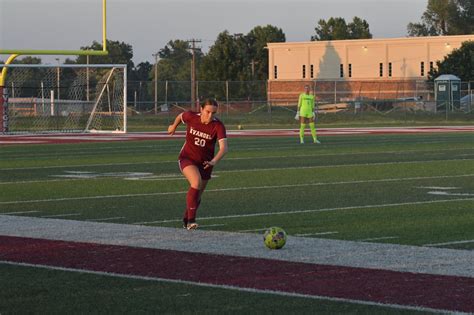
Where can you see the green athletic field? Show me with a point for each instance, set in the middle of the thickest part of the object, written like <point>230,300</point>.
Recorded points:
<point>400,189</point>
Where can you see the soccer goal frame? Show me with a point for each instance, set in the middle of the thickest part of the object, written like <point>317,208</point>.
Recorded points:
<point>68,98</point>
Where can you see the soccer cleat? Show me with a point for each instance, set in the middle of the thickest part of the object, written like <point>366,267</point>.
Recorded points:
<point>192,226</point>
<point>317,142</point>
<point>301,141</point>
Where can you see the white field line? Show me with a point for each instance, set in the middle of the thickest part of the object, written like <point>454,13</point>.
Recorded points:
<point>446,193</point>
<point>338,166</point>
<point>228,287</point>
<point>107,150</point>
<point>377,238</point>
<point>105,219</point>
<point>155,178</point>
<point>61,215</point>
<point>231,158</point>
<point>19,212</point>
<point>236,216</point>
<point>450,243</point>
<point>237,189</point>
<point>252,230</point>
<point>210,225</point>
<point>320,233</point>
<point>437,187</point>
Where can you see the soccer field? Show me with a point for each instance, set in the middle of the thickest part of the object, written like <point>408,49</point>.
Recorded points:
<point>389,189</point>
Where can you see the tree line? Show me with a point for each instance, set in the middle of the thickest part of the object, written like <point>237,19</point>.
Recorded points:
<point>243,57</point>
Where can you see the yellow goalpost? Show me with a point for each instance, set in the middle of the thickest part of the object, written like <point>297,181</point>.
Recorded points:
<point>14,53</point>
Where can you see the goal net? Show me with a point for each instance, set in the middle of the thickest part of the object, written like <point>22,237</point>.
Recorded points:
<point>64,98</point>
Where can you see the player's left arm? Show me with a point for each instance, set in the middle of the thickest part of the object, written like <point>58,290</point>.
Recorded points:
<point>223,148</point>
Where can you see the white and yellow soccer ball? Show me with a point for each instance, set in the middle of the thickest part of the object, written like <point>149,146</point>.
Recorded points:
<point>274,237</point>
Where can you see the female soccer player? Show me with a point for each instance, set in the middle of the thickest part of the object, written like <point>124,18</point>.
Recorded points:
<point>306,113</point>
<point>197,158</point>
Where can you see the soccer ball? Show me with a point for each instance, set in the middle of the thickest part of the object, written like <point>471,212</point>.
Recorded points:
<point>274,238</point>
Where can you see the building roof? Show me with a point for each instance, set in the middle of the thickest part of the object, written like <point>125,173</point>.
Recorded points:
<point>447,77</point>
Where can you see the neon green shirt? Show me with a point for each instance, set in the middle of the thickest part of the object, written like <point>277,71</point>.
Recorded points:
<point>306,105</point>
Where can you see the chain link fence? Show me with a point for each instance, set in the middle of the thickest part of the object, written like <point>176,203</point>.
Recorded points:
<point>274,103</point>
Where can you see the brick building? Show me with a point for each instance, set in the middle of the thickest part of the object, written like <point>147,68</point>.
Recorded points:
<point>371,68</point>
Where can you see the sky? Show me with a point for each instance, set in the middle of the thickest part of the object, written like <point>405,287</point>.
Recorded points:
<point>148,25</point>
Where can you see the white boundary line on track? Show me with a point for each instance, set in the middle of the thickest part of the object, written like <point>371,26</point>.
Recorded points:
<point>19,212</point>
<point>61,215</point>
<point>450,243</point>
<point>377,238</point>
<point>233,216</point>
<point>318,233</point>
<point>105,219</point>
<point>237,189</point>
<point>228,287</point>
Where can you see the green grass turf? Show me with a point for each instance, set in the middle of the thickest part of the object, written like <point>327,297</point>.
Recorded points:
<point>361,187</point>
<point>40,291</point>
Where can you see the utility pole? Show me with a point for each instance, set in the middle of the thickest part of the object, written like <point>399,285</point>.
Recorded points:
<point>193,71</point>
<point>156,82</point>
<point>58,76</point>
<point>252,64</point>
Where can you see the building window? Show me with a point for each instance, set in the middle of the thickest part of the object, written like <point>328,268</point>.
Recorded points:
<point>275,72</point>
<point>312,71</point>
<point>380,69</point>
<point>304,71</point>
<point>341,70</point>
<point>431,66</point>
<point>389,69</point>
<point>350,70</point>
<point>422,68</point>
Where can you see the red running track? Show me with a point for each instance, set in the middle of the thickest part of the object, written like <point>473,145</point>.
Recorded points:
<point>370,285</point>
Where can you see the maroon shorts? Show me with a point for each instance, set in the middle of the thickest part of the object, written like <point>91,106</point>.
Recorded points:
<point>205,173</point>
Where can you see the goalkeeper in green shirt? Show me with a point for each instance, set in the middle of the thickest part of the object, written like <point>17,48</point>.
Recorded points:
<point>306,114</point>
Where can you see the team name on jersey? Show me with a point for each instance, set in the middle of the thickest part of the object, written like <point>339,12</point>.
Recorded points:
<point>200,134</point>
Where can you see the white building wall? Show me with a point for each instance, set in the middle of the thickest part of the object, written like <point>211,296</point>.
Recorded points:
<point>360,59</point>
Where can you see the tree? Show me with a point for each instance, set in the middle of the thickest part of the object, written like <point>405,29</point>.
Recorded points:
<point>119,53</point>
<point>338,29</point>
<point>28,60</point>
<point>257,40</point>
<point>224,60</point>
<point>459,62</point>
<point>445,17</point>
<point>175,61</point>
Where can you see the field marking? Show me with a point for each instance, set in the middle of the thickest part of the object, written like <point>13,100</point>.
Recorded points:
<point>259,214</point>
<point>437,187</point>
<point>210,225</point>
<point>236,189</point>
<point>19,212</point>
<point>252,230</point>
<point>166,148</point>
<point>445,193</point>
<point>61,215</point>
<point>339,165</point>
<point>450,243</point>
<point>320,233</point>
<point>235,158</point>
<point>377,238</point>
<point>235,288</point>
<point>105,219</point>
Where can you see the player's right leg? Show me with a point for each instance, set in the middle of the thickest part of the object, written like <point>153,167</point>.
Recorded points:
<point>192,174</point>
<point>302,128</point>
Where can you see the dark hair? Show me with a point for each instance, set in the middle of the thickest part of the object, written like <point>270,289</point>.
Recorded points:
<point>209,101</point>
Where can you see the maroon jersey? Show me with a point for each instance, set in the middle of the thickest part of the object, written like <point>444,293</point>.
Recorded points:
<point>200,138</point>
